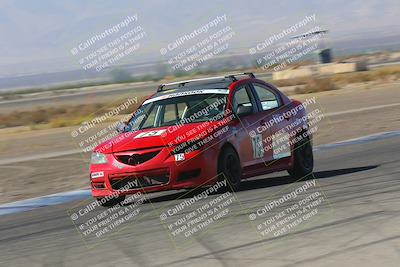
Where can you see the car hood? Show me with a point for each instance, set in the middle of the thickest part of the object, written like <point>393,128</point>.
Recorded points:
<point>155,137</point>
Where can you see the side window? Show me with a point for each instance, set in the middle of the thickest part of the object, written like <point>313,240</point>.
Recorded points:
<point>268,99</point>
<point>241,98</point>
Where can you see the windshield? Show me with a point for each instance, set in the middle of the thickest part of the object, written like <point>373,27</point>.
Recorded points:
<point>178,110</point>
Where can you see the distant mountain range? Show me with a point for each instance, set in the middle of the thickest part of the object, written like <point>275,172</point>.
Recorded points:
<point>37,36</point>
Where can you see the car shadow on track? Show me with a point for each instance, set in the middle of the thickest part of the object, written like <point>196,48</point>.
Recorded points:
<point>259,183</point>
<point>282,180</point>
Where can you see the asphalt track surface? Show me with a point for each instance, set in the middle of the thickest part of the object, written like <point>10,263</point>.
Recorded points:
<point>357,223</point>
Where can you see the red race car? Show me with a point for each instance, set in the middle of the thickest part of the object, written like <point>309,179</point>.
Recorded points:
<point>201,132</point>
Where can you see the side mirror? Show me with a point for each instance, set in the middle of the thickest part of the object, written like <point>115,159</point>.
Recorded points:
<point>244,110</point>
<point>120,127</point>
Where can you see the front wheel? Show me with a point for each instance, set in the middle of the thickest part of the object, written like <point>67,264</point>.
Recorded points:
<point>303,159</point>
<point>229,168</point>
<point>110,202</point>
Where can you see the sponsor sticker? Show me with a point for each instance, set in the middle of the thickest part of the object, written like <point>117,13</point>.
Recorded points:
<point>186,93</point>
<point>150,133</point>
<point>95,175</point>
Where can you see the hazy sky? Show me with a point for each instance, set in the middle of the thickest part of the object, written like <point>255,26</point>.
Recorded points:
<point>44,31</point>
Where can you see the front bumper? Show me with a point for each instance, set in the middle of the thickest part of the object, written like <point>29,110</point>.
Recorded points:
<point>157,174</point>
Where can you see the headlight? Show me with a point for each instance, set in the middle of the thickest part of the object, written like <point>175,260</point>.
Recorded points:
<point>98,158</point>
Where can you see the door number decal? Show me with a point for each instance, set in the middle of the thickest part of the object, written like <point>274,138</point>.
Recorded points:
<point>256,142</point>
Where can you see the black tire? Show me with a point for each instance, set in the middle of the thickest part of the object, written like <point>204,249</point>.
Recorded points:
<point>111,202</point>
<point>303,159</point>
<point>229,168</point>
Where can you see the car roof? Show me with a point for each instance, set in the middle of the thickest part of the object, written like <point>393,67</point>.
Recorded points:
<point>204,83</point>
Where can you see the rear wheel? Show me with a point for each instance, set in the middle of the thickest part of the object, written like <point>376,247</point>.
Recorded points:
<point>111,201</point>
<point>229,168</point>
<point>303,159</point>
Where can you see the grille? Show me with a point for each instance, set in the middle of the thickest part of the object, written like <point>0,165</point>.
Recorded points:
<point>133,158</point>
<point>188,175</point>
<point>127,182</point>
